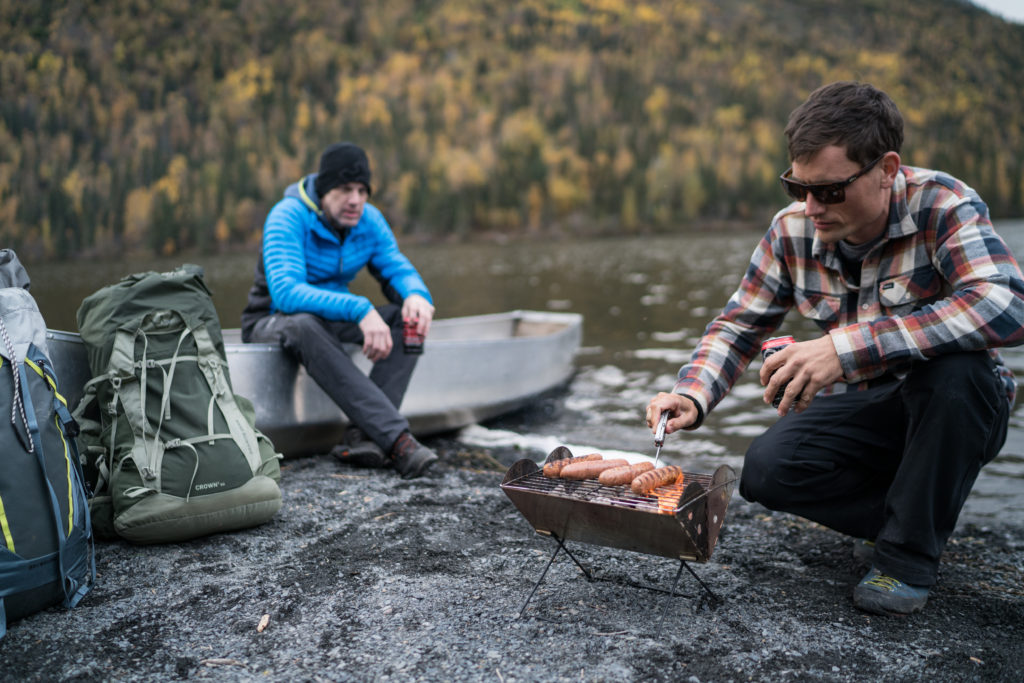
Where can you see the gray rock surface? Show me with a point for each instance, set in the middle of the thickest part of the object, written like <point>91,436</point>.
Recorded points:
<point>363,576</point>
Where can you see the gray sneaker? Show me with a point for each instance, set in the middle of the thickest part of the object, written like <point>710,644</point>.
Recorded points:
<point>411,457</point>
<point>879,593</point>
<point>358,450</point>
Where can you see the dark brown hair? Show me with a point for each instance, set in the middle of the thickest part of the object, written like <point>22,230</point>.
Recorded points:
<point>857,116</point>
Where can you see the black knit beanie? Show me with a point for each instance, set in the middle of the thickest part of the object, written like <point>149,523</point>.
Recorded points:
<point>342,162</point>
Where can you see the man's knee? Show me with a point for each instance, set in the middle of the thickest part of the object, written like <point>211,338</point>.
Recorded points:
<point>952,372</point>
<point>960,381</point>
<point>293,332</point>
<point>759,474</point>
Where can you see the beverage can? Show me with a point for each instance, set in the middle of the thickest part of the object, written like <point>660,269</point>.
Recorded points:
<point>770,346</point>
<point>412,340</point>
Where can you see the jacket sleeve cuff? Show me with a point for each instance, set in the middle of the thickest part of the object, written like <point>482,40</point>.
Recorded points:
<point>700,414</point>
<point>858,353</point>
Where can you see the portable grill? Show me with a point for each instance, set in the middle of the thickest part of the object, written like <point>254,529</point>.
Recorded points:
<point>681,521</point>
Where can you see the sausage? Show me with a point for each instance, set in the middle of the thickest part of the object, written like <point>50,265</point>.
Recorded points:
<point>590,469</point>
<point>552,469</point>
<point>663,476</point>
<point>620,476</point>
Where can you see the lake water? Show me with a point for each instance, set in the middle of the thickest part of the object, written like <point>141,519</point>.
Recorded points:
<point>645,302</point>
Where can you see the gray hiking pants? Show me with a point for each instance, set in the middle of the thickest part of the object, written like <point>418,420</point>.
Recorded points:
<point>370,403</point>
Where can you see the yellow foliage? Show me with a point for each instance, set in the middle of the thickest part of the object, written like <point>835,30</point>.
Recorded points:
<point>878,64</point>
<point>462,170</point>
<point>288,171</point>
<point>138,211</point>
<point>405,186</point>
<point>656,104</point>
<point>689,97</point>
<point>221,231</point>
<point>628,214</point>
<point>373,111</point>
<point>647,14</point>
<point>8,212</point>
<point>174,180</point>
<point>565,194</point>
<point>73,186</point>
<point>729,118</point>
<point>401,67</point>
<point>303,116</point>
<point>241,87</point>
<point>615,7</point>
<point>534,206</point>
<point>624,163</point>
<point>522,130</point>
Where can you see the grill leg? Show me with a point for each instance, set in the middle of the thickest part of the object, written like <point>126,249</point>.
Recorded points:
<point>714,598</point>
<point>672,593</point>
<point>560,546</point>
<point>583,569</point>
<point>542,575</point>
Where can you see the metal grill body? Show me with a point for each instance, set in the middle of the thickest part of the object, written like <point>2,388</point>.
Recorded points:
<point>681,522</point>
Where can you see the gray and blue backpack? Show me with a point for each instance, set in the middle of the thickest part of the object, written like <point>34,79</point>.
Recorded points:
<point>47,554</point>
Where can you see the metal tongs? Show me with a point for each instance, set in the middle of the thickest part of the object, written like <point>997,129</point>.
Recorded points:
<point>659,436</point>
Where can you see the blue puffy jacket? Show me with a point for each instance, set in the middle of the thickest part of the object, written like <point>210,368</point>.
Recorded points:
<point>308,266</point>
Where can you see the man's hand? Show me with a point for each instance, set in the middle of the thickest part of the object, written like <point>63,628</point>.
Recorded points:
<point>682,410</point>
<point>377,340</point>
<point>807,366</point>
<point>417,308</point>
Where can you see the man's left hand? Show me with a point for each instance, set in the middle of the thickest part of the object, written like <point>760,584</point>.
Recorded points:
<point>416,307</point>
<point>807,366</point>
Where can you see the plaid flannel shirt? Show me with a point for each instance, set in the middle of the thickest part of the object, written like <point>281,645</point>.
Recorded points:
<point>939,281</point>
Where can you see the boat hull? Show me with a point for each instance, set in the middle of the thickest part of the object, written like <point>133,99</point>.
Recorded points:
<point>473,368</point>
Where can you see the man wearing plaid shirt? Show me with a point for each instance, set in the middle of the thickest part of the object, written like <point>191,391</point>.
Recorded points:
<point>887,418</point>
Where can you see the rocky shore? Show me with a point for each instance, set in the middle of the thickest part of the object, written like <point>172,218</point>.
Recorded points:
<point>362,576</point>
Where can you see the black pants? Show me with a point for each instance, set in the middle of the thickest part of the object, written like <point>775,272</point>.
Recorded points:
<point>892,463</point>
<point>371,403</point>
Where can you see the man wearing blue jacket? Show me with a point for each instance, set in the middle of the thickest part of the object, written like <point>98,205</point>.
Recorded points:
<point>315,241</point>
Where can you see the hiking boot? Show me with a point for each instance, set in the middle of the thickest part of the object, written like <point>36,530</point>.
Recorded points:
<point>411,457</point>
<point>359,450</point>
<point>863,551</point>
<point>882,594</point>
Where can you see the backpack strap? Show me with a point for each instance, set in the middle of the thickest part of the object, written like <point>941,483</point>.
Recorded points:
<point>78,502</point>
<point>121,375</point>
<point>213,369</point>
<point>20,575</point>
<point>146,453</point>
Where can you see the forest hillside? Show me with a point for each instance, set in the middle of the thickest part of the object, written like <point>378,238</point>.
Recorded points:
<point>171,125</point>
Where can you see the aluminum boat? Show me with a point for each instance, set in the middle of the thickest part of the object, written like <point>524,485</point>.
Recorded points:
<point>472,369</point>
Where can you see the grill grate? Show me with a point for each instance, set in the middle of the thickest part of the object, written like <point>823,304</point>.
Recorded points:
<point>666,501</point>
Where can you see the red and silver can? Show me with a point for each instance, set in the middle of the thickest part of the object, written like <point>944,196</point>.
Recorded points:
<point>770,346</point>
<point>412,340</point>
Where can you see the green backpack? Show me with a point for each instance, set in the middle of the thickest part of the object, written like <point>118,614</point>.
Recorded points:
<point>174,452</point>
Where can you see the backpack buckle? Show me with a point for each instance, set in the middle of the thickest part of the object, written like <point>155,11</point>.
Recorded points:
<point>147,474</point>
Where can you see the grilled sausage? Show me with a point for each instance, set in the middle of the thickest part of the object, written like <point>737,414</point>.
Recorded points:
<point>590,469</point>
<point>552,469</point>
<point>648,481</point>
<point>620,476</point>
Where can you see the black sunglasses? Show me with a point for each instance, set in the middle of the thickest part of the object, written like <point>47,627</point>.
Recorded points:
<point>826,193</point>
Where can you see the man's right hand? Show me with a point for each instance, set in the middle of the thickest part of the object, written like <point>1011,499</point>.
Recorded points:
<point>377,342</point>
<point>683,412</point>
